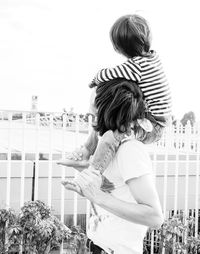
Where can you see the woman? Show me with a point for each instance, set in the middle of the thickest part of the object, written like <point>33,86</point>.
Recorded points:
<point>124,214</point>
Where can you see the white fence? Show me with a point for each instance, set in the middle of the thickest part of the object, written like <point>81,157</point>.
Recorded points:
<point>31,143</point>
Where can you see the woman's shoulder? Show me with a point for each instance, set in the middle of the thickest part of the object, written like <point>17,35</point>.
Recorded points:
<point>133,159</point>
<point>133,145</point>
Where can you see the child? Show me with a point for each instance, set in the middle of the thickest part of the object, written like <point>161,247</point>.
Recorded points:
<point>131,37</point>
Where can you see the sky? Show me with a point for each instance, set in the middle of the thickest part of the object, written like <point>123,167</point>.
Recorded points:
<point>54,48</point>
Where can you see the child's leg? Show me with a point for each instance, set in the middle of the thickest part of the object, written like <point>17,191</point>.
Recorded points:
<point>158,124</point>
<point>106,149</point>
<point>155,135</point>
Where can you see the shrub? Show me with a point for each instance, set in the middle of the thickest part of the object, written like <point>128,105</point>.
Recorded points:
<point>175,236</point>
<point>76,243</point>
<point>41,231</point>
<point>9,231</point>
<point>33,230</point>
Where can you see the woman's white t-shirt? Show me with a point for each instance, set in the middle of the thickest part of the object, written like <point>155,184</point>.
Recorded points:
<point>112,232</point>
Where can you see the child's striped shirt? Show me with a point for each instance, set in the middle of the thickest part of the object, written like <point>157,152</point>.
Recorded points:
<point>148,72</point>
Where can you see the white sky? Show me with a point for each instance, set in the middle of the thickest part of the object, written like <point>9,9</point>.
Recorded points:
<point>53,49</point>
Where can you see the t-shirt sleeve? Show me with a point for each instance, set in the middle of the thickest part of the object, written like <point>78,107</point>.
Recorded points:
<point>134,161</point>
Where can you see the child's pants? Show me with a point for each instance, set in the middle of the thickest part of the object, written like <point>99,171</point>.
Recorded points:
<point>106,149</point>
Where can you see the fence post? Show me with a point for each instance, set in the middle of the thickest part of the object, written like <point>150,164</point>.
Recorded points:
<point>187,149</point>
<point>88,205</point>
<point>8,185</point>
<point>51,119</point>
<point>197,133</point>
<point>62,197</point>
<point>177,140</point>
<point>23,152</point>
<point>75,175</point>
<point>37,118</point>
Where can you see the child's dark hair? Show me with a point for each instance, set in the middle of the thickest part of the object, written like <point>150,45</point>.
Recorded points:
<point>119,102</point>
<point>131,36</point>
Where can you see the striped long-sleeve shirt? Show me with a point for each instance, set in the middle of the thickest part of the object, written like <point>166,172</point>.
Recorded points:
<point>148,73</point>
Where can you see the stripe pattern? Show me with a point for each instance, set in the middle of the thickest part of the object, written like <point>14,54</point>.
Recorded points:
<point>149,74</point>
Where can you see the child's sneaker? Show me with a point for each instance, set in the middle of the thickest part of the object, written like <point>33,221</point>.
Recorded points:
<point>78,164</point>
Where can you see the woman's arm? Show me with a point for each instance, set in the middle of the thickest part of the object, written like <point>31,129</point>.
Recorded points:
<point>147,210</point>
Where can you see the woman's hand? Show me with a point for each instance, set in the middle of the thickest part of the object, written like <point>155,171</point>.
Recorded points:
<point>89,181</point>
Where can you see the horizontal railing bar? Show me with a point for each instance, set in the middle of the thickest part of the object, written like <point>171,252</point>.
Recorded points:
<point>35,112</point>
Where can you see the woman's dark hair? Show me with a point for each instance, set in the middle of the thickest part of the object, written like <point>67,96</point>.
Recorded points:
<point>119,102</point>
<point>131,36</point>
